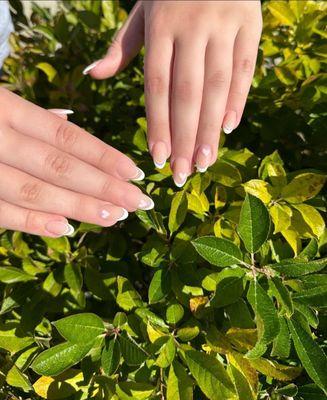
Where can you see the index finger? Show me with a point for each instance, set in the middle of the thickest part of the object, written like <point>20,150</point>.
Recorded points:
<point>41,124</point>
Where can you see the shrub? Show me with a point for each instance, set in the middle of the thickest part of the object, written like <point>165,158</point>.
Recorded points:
<point>218,293</point>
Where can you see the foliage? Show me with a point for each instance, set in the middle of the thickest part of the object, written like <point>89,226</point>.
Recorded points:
<point>220,292</point>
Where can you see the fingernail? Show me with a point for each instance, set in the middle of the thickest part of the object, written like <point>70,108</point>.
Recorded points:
<point>140,175</point>
<point>203,158</point>
<point>124,215</point>
<point>59,228</point>
<point>146,203</point>
<point>62,111</point>
<point>181,170</point>
<point>159,154</point>
<point>229,122</point>
<point>89,67</point>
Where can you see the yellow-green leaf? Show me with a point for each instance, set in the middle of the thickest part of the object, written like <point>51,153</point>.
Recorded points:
<point>281,216</point>
<point>178,211</point>
<point>260,189</point>
<point>303,187</point>
<point>312,217</point>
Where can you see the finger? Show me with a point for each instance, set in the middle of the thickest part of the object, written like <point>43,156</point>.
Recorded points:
<point>126,44</point>
<point>245,54</point>
<point>61,112</point>
<point>41,124</point>
<point>23,190</point>
<point>34,222</point>
<point>186,98</point>
<point>61,169</point>
<point>157,66</point>
<point>218,71</point>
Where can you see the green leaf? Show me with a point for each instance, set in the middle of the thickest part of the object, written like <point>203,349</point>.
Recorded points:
<point>59,358</point>
<point>134,390</point>
<point>167,353</point>
<point>73,276</point>
<point>294,267</point>
<point>60,387</point>
<point>266,318</point>
<point>303,187</point>
<point>12,275</point>
<point>110,357</point>
<point>17,379</point>
<point>179,385</point>
<point>310,251</point>
<point>174,313</point>
<point>178,211</point>
<point>242,386</point>
<point>281,217</point>
<point>132,353</point>
<point>283,296</point>
<point>127,297</point>
<point>225,174</point>
<point>312,217</point>
<point>282,342</point>
<point>218,251</point>
<point>80,328</point>
<point>12,340</point>
<point>314,297</point>
<point>159,285</point>
<point>282,11</point>
<point>149,316</point>
<point>313,358</point>
<point>254,223</point>
<point>210,375</point>
<point>260,189</point>
<point>48,69</point>
<point>229,287</point>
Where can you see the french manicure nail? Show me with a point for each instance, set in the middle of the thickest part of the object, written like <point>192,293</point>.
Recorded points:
<point>90,67</point>
<point>181,168</point>
<point>203,158</point>
<point>62,111</point>
<point>146,203</point>
<point>140,175</point>
<point>229,122</point>
<point>159,154</point>
<point>124,215</point>
<point>59,228</point>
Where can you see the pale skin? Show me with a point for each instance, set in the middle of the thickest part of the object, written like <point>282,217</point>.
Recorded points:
<point>52,170</point>
<point>199,63</point>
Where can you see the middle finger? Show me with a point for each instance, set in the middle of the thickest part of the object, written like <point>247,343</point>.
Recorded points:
<point>55,166</point>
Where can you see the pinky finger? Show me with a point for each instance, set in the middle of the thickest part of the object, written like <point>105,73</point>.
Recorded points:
<point>21,219</point>
<point>245,54</point>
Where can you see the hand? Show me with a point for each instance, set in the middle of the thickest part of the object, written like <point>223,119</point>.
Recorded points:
<point>199,63</point>
<point>51,169</point>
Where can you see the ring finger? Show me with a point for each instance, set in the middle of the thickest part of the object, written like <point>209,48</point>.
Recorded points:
<point>23,190</point>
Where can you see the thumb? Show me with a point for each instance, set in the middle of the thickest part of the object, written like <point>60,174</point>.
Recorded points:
<point>125,46</point>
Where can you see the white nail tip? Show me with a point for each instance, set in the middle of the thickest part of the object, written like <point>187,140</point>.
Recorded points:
<point>159,165</point>
<point>139,176</point>
<point>227,130</point>
<point>124,215</point>
<point>63,111</point>
<point>70,230</point>
<point>180,184</point>
<point>146,204</point>
<point>89,67</point>
<point>201,169</point>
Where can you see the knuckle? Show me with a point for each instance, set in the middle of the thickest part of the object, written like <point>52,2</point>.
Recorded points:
<point>30,192</point>
<point>58,164</point>
<point>65,136</point>
<point>217,80</point>
<point>184,91</point>
<point>155,85</point>
<point>245,66</point>
<point>32,221</point>
<point>106,188</point>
